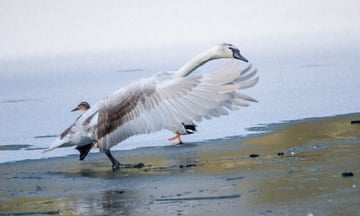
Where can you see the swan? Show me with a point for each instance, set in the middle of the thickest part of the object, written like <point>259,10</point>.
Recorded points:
<point>84,149</point>
<point>167,100</point>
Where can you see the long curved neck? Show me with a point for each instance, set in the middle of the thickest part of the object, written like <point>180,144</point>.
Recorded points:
<point>196,62</point>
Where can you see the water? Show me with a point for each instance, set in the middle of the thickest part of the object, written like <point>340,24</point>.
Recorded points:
<point>37,95</point>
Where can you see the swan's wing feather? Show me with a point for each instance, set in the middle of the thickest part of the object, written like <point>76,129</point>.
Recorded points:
<point>164,102</point>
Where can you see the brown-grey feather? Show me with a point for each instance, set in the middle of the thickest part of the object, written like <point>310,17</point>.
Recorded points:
<point>63,134</point>
<point>115,115</point>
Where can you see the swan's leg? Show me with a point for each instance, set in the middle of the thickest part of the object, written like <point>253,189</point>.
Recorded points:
<point>177,136</point>
<point>117,165</point>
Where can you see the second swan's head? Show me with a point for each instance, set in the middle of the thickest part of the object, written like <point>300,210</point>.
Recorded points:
<point>225,50</point>
<point>82,106</point>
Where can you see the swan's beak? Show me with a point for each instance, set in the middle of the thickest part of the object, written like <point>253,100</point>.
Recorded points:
<point>76,109</point>
<point>238,56</point>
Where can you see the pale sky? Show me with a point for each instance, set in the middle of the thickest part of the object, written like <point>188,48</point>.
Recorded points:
<point>44,27</point>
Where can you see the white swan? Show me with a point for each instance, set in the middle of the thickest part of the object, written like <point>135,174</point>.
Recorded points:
<point>84,149</point>
<point>163,101</point>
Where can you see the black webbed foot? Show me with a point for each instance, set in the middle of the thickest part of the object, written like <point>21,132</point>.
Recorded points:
<point>84,150</point>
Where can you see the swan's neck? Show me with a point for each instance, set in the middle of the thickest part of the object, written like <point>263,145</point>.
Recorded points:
<point>196,62</point>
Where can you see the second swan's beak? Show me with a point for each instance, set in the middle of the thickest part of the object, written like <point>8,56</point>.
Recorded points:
<point>76,109</point>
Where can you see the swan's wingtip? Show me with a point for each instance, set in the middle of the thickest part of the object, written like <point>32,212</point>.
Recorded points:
<point>45,151</point>
<point>58,142</point>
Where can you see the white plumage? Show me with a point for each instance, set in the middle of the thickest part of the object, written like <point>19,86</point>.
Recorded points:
<point>164,101</point>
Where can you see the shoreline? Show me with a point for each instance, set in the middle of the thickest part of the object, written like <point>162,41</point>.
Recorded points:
<point>256,131</point>
<point>292,168</point>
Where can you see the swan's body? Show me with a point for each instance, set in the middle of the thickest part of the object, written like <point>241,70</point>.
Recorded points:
<point>163,101</point>
<point>84,149</point>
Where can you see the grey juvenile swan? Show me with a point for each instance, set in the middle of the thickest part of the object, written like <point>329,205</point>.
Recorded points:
<point>167,100</point>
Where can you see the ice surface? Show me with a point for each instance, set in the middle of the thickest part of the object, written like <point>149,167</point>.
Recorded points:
<point>37,95</point>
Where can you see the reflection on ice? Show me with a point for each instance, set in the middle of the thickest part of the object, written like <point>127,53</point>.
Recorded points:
<point>13,147</point>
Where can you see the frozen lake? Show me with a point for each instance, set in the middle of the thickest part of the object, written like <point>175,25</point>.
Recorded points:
<point>37,94</point>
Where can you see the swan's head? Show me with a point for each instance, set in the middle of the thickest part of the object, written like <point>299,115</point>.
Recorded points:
<point>226,50</point>
<point>82,106</point>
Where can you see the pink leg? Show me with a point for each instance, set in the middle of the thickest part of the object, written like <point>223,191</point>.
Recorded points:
<point>177,136</point>
<point>95,145</point>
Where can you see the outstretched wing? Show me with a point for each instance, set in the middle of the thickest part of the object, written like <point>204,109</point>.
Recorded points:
<point>165,102</point>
